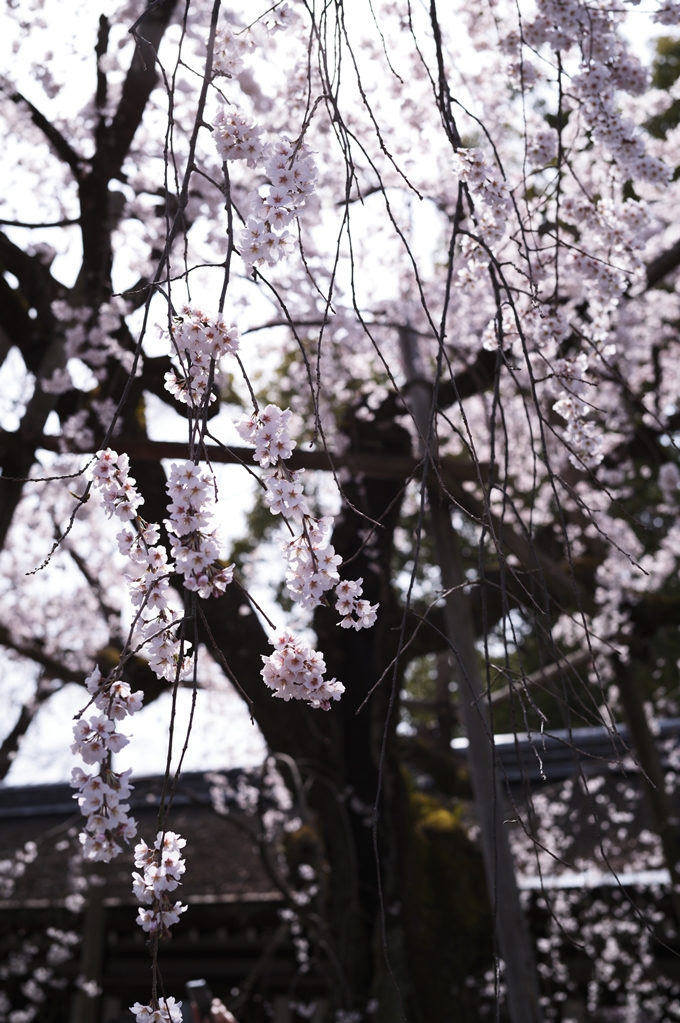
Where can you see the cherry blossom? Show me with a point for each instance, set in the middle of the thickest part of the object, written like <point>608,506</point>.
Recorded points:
<point>198,341</point>
<point>166,1010</point>
<point>295,672</point>
<point>163,865</point>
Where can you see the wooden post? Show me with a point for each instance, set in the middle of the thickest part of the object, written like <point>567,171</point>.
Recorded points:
<point>87,1009</point>
<point>514,941</point>
<point>664,818</point>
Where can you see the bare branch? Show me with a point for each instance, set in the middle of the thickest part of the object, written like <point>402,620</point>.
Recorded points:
<point>54,223</point>
<point>34,652</point>
<point>60,145</point>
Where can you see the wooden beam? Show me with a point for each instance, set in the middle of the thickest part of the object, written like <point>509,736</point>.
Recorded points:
<point>515,944</point>
<point>386,467</point>
<point>544,676</point>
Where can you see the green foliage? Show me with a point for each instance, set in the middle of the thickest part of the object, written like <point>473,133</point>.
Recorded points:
<point>444,910</point>
<point>666,64</point>
<point>665,72</point>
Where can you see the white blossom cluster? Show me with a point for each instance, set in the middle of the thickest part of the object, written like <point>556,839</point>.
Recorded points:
<point>199,341</point>
<point>619,232</point>
<point>22,961</point>
<point>613,931</point>
<point>89,339</point>
<point>149,584</point>
<point>195,546</point>
<point>164,651</point>
<point>288,164</point>
<point>668,13</point>
<point>283,16</point>
<point>148,580</point>
<point>564,24</point>
<point>291,170</point>
<point>166,1010</point>
<point>163,865</point>
<point>312,561</point>
<point>300,943</point>
<point>485,183</point>
<point>238,138</point>
<point>14,867</point>
<point>62,946</point>
<point>595,87</point>
<point>111,476</point>
<point>101,797</point>
<point>569,384</point>
<point>162,868</point>
<point>295,672</point>
<point>357,614</point>
<point>269,431</point>
<point>229,50</point>
<point>542,147</point>
<point>231,47</point>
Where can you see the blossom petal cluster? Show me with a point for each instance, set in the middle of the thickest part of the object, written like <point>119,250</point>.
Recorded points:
<point>238,138</point>
<point>291,170</point>
<point>269,431</point>
<point>14,867</point>
<point>295,672</point>
<point>165,1010</point>
<point>149,576</point>
<point>91,339</point>
<point>357,613</point>
<point>312,562</point>
<point>609,66</point>
<point>111,476</point>
<point>229,50</point>
<point>485,183</point>
<point>584,438</point>
<point>162,867</point>
<point>101,797</point>
<point>198,341</point>
<point>195,546</point>
<point>595,87</point>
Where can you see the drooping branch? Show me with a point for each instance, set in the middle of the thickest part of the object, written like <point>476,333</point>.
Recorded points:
<point>549,577</point>
<point>544,676</point>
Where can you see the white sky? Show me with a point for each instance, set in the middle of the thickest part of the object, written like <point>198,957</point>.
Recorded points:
<point>222,737</point>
